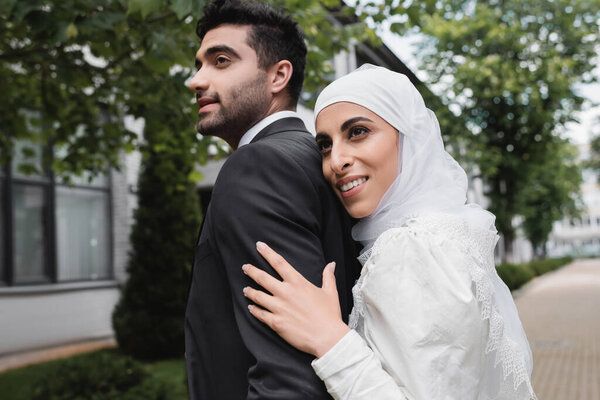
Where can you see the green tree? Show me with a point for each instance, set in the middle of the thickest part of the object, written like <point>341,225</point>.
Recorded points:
<point>82,66</point>
<point>552,194</point>
<point>593,163</point>
<point>508,68</point>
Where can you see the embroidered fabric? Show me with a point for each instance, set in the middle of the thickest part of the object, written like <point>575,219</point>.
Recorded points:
<point>506,337</point>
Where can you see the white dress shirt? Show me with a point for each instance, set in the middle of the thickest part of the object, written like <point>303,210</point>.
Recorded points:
<point>252,132</point>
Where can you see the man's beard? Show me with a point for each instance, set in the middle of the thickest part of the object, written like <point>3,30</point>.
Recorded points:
<point>247,105</point>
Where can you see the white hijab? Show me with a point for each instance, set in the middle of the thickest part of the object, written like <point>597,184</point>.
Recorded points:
<point>429,179</point>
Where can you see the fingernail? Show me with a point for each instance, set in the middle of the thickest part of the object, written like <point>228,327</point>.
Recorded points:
<point>250,307</point>
<point>245,290</point>
<point>245,268</point>
<point>332,266</point>
<point>261,245</point>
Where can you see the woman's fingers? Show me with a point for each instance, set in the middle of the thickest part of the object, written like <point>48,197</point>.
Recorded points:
<point>261,298</point>
<point>263,316</point>
<point>261,277</point>
<point>279,264</point>
<point>329,277</point>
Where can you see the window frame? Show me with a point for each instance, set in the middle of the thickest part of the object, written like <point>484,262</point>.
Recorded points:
<point>48,183</point>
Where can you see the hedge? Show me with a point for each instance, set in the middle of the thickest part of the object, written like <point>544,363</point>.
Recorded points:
<point>516,275</point>
<point>105,375</point>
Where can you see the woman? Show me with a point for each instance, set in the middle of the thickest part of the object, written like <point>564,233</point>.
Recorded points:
<point>431,318</point>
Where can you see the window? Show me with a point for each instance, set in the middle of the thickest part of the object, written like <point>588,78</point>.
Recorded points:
<point>82,237</point>
<point>51,231</point>
<point>29,234</point>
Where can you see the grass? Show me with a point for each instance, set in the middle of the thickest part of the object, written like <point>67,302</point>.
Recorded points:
<point>16,384</point>
<point>172,372</point>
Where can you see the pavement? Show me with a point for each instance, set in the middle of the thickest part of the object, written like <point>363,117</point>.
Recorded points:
<point>560,312</point>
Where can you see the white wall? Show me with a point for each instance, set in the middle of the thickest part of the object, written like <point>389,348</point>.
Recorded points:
<point>29,321</point>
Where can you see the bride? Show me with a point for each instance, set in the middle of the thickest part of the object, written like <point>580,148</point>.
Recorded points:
<point>431,317</point>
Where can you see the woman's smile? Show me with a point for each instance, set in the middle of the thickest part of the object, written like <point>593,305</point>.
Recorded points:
<point>351,186</point>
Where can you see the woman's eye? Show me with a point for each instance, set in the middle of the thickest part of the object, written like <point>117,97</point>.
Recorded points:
<point>358,131</point>
<point>324,146</point>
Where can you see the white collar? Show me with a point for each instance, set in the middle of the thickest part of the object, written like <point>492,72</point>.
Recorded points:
<point>252,132</point>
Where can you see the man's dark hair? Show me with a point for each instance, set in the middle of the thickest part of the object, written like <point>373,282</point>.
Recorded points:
<point>274,36</point>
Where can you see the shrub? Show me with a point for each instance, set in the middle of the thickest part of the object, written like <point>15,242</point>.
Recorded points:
<point>514,275</point>
<point>104,375</point>
<point>149,318</point>
<point>540,267</point>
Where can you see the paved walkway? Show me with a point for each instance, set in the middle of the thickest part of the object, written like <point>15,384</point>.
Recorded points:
<point>560,312</point>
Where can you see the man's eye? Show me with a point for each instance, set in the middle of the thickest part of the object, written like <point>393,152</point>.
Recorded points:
<point>221,60</point>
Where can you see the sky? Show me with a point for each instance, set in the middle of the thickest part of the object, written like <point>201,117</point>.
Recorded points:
<point>578,133</point>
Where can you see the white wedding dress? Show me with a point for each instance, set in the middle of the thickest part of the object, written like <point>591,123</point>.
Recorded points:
<point>428,320</point>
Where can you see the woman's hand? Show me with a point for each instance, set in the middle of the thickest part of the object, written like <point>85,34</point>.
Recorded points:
<point>306,316</point>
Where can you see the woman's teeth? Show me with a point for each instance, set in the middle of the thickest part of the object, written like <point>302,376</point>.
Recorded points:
<point>347,186</point>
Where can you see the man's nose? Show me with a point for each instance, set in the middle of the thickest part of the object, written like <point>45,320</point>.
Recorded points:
<point>199,81</point>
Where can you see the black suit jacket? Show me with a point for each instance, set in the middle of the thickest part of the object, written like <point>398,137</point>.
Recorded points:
<point>271,190</point>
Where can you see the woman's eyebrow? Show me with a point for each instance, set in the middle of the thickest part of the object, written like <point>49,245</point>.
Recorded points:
<point>350,121</point>
<point>321,136</point>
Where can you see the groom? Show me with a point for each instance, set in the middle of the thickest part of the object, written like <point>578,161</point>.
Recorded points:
<point>250,69</point>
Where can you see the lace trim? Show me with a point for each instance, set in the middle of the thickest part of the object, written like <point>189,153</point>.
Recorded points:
<point>477,243</point>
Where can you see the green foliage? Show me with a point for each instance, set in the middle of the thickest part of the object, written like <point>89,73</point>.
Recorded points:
<point>593,163</point>
<point>18,384</point>
<point>514,275</point>
<point>98,376</point>
<point>509,70</point>
<point>540,267</point>
<point>82,66</point>
<point>173,373</point>
<point>552,192</point>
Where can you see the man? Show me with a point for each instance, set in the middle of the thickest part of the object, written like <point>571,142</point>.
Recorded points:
<point>250,73</point>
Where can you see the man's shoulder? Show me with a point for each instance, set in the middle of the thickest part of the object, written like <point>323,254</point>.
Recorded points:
<point>291,149</point>
<point>286,162</point>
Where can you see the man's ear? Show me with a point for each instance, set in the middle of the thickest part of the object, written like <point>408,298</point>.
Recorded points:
<point>280,74</point>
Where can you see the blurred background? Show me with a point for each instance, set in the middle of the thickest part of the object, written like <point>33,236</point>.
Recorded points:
<point>104,179</point>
